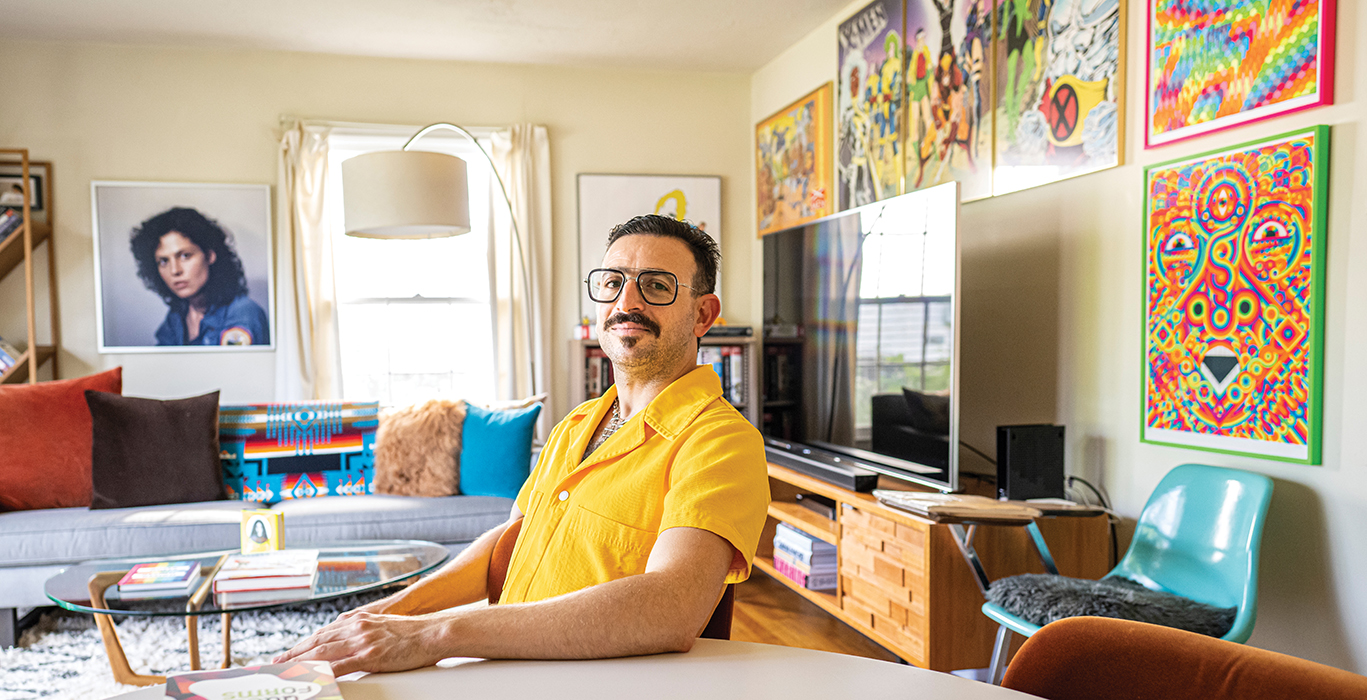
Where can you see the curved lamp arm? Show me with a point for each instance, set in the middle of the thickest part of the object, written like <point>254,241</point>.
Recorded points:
<point>517,235</point>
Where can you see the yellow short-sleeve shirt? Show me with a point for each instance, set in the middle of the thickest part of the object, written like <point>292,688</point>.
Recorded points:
<point>688,460</point>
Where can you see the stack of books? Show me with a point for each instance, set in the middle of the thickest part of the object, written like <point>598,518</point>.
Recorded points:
<point>10,221</point>
<point>270,577</point>
<point>804,559</point>
<point>941,506</point>
<point>162,579</point>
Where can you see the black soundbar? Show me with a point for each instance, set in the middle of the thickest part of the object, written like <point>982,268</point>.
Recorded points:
<point>821,465</point>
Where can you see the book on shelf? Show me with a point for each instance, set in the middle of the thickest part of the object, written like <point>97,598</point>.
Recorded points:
<point>10,221</point>
<point>801,541</point>
<point>806,558</point>
<point>290,568</point>
<point>821,566</point>
<point>821,505</point>
<point>159,579</point>
<point>598,374</point>
<point>819,582</point>
<point>292,680</point>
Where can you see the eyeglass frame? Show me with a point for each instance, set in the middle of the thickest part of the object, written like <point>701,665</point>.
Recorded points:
<point>639,290</point>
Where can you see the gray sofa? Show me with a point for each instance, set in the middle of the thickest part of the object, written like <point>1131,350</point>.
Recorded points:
<point>37,544</point>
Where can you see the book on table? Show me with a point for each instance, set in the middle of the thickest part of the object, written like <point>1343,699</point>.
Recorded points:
<point>311,680</point>
<point>264,596</point>
<point>285,569</point>
<point>159,579</point>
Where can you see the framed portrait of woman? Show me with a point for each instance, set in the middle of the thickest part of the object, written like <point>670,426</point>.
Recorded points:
<point>182,267</point>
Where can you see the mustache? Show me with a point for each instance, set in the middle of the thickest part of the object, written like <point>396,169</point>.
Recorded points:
<point>633,317</point>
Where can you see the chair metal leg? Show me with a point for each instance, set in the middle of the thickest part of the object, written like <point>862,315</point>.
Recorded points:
<point>999,652</point>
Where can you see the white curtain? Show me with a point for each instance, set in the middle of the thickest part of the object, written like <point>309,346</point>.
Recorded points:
<point>522,155</point>
<point>307,348</point>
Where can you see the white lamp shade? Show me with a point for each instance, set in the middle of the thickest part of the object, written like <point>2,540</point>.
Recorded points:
<point>405,194</point>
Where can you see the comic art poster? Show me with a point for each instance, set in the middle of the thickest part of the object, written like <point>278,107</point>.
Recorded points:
<point>1060,87</point>
<point>793,163</point>
<point>949,102</point>
<point>1217,64</point>
<point>870,104</point>
<point>1234,298</point>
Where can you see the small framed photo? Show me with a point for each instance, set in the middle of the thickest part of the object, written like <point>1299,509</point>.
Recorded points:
<point>12,187</point>
<point>182,267</point>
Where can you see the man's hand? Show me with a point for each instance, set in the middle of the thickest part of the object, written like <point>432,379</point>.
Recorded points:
<point>364,641</point>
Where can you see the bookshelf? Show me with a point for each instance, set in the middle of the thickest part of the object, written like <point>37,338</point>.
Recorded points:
<point>746,364</point>
<point>18,249</point>
<point>903,582</point>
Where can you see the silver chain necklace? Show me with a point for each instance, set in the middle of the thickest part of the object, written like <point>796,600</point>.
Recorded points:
<point>613,424</point>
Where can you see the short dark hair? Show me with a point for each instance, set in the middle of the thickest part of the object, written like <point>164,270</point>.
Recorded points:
<point>705,251</point>
<point>226,278</point>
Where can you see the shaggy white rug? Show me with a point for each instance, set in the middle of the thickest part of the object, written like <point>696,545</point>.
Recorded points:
<point>62,656</point>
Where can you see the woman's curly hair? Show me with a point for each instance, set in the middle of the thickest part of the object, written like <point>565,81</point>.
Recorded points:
<point>226,278</point>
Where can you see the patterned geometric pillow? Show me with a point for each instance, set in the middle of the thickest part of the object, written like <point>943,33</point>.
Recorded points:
<point>308,449</point>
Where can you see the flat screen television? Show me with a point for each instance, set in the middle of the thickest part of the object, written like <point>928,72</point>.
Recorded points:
<point>860,347</point>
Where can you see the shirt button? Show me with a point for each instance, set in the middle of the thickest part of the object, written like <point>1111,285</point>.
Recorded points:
<point>564,495</point>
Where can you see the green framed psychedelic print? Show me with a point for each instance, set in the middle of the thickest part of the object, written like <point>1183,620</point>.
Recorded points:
<point>1234,250</point>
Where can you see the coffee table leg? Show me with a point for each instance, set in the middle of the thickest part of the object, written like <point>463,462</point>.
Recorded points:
<point>118,661</point>
<point>227,640</point>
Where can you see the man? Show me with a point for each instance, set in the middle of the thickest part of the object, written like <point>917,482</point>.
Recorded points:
<point>645,502</point>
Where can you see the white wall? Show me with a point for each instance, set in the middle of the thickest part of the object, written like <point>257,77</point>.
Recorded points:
<point>132,113</point>
<point>1051,331</point>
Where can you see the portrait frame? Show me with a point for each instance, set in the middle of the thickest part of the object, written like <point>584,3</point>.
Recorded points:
<point>1069,141</point>
<point>12,176</point>
<point>817,185</point>
<point>128,314</point>
<point>1326,21</point>
<point>606,200</point>
<point>1288,357</point>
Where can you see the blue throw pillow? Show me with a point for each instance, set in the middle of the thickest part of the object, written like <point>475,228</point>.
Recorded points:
<point>496,450</point>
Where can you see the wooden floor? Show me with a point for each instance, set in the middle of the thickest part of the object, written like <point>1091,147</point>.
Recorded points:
<point>767,612</point>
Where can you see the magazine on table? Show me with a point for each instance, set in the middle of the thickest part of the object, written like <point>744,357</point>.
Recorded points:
<point>296,680</point>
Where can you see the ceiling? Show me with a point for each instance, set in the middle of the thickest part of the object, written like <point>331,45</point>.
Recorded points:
<point>689,35</point>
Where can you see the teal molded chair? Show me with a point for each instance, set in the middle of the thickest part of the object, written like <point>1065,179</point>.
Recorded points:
<point>1197,537</point>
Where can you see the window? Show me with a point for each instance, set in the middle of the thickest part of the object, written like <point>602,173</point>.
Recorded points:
<point>415,318</point>
<point>905,320</point>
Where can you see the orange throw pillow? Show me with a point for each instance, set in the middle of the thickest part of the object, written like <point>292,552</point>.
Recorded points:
<point>45,441</point>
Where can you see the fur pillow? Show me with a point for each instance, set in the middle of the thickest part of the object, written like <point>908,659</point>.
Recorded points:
<point>1043,598</point>
<point>417,449</point>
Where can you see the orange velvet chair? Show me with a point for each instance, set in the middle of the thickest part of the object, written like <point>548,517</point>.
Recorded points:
<point>1100,658</point>
<point>718,627</point>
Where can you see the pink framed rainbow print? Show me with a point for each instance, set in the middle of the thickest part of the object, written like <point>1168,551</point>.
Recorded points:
<point>1223,63</point>
<point>1234,250</point>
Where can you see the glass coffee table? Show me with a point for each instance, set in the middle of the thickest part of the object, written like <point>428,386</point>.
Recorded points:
<point>343,569</point>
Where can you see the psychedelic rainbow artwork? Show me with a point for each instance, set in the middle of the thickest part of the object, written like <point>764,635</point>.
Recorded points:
<point>1221,63</point>
<point>1234,298</point>
<point>793,163</point>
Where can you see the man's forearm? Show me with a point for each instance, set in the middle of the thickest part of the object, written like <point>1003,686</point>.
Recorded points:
<point>462,580</point>
<point>646,614</point>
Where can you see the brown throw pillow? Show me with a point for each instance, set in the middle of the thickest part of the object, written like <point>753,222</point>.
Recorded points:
<point>417,449</point>
<point>147,452</point>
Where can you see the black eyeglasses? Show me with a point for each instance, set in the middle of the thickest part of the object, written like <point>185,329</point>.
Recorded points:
<point>657,287</point>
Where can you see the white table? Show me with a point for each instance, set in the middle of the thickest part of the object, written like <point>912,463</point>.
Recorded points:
<point>714,670</point>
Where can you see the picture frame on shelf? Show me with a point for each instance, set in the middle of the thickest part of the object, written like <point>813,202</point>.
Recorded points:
<point>608,200</point>
<point>1233,337</point>
<point>1208,70</point>
<point>793,163</point>
<point>183,267</point>
<point>11,178</point>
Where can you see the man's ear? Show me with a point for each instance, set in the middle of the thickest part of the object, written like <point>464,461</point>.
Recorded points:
<point>709,309</point>
<point>213,257</point>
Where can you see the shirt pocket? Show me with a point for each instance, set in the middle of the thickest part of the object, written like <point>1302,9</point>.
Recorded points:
<point>595,549</point>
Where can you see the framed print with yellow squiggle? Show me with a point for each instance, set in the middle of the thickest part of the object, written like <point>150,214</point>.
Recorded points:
<point>1234,249</point>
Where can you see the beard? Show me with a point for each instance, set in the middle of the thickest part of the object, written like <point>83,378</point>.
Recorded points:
<point>656,356</point>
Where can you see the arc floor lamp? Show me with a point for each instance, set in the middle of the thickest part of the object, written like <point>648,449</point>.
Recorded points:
<point>420,194</point>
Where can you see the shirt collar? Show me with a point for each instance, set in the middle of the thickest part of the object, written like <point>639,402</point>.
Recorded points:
<point>670,412</point>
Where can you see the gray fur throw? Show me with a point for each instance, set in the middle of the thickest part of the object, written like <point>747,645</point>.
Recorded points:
<point>1044,598</point>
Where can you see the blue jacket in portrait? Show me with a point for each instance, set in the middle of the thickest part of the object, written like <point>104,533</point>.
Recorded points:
<point>239,322</point>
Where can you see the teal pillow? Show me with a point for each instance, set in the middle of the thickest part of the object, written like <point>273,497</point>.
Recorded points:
<point>496,450</point>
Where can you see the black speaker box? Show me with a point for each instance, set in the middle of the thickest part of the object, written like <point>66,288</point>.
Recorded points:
<point>1029,461</point>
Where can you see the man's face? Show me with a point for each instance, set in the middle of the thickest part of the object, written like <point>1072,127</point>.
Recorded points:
<point>639,336</point>
<point>183,265</point>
